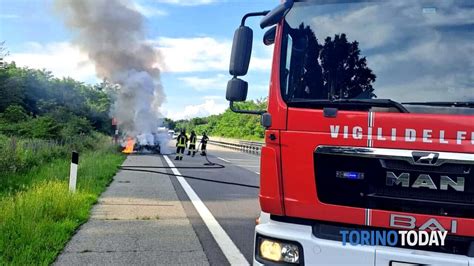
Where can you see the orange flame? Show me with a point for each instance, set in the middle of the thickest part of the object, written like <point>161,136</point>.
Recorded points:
<point>129,147</point>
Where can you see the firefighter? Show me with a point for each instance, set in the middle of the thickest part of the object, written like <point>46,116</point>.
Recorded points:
<point>204,141</point>
<point>181,141</point>
<point>192,143</point>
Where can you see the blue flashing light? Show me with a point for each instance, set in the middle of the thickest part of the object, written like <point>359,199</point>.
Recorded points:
<point>350,175</point>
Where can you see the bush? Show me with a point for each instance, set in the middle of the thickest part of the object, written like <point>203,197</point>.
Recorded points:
<point>15,114</point>
<point>35,224</point>
<point>38,218</point>
<point>76,126</point>
<point>42,128</point>
<point>19,155</point>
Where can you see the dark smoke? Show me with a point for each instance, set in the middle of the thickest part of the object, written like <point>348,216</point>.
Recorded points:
<point>111,33</point>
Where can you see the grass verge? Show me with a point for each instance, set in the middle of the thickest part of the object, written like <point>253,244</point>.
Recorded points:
<point>40,215</point>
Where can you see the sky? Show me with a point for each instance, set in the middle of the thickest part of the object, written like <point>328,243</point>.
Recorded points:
<point>425,47</point>
<point>194,37</point>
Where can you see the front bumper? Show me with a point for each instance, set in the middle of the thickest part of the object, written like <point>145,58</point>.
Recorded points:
<point>319,251</point>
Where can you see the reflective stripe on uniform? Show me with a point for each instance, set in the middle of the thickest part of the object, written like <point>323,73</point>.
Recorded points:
<point>181,142</point>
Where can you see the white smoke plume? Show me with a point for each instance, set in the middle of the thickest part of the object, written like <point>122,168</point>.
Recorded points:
<point>111,33</point>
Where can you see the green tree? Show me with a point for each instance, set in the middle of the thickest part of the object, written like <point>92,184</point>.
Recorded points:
<point>333,70</point>
<point>12,88</point>
<point>229,124</point>
<point>3,53</point>
<point>169,123</point>
<point>71,105</point>
<point>14,114</point>
<point>346,74</point>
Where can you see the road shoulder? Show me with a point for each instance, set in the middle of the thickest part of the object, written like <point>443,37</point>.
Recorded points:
<point>138,220</point>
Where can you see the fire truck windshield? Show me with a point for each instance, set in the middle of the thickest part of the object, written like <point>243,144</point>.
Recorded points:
<point>403,51</point>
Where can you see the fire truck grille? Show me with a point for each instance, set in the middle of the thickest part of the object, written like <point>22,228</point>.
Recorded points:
<point>395,185</point>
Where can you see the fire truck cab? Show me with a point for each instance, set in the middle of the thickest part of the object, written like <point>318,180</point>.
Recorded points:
<point>369,127</point>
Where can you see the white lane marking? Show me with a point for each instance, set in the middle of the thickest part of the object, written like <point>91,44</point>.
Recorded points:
<point>230,250</point>
<point>227,161</point>
<point>257,173</point>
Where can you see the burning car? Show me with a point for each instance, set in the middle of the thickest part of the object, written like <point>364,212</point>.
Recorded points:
<point>142,143</point>
<point>156,142</point>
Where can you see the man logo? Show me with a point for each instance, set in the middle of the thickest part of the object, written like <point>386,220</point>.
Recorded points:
<point>425,158</point>
<point>425,181</point>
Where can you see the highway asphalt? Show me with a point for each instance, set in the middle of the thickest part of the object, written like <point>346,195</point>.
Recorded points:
<point>146,218</point>
<point>234,207</point>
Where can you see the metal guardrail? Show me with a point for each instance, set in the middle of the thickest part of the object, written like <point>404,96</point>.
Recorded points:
<point>253,147</point>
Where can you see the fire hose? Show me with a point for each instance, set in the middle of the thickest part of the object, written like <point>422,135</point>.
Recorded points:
<point>208,165</point>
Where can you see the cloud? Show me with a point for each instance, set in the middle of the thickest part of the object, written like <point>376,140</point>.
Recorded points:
<point>408,48</point>
<point>148,10</point>
<point>259,87</point>
<point>357,23</point>
<point>181,55</point>
<point>61,58</point>
<point>194,54</point>
<point>421,88</point>
<point>212,105</point>
<point>213,97</point>
<point>200,54</point>
<point>261,59</point>
<point>187,2</point>
<point>218,82</point>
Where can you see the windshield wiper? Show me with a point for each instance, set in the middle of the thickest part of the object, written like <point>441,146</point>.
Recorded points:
<point>351,102</point>
<point>443,104</point>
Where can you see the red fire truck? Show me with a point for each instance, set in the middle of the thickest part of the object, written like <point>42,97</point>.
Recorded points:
<point>369,126</point>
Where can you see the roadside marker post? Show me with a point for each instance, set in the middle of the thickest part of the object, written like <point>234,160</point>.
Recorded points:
<point>73,171</point>
<point>116,131</point>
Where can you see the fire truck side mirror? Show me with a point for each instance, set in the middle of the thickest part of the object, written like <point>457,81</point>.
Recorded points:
<point>241,51</point>
<point>266,120</point>
<point>269,36</point>
<point>236,90</point>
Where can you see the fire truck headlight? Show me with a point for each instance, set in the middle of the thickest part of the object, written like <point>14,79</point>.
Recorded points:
<point>270,250</point>
<point>290,253</point>
<point>277,250</point>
